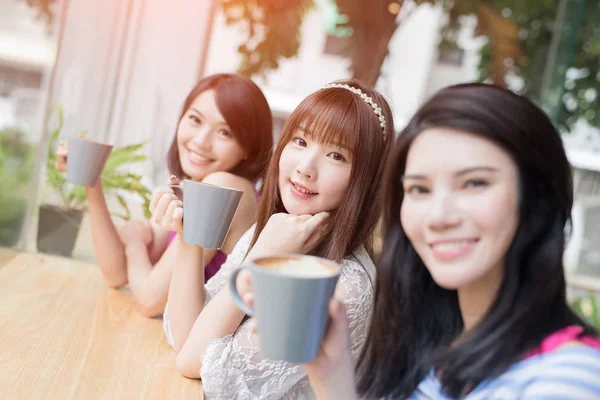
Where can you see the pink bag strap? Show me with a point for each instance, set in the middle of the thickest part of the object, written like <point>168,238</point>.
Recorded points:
<point>565,335</point>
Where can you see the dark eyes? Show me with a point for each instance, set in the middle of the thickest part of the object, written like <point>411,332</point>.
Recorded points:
<point>416,189</point>
<point>336,156</point>
<point>475,183</point>
<point>470,184</point>
<point>224,133</point>
<point>299,142</point>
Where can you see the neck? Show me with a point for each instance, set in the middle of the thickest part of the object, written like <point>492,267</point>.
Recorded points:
<point>476,298</point>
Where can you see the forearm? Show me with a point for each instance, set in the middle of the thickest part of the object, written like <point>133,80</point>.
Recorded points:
<point>109,250</point>
<point>149,284</point>
<point>186,290</point>
<point>220,317</point>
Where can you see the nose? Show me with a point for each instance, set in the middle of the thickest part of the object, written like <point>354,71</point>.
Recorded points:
<point>442,212</point>
<point>203,138</point>
<point>307,167</point>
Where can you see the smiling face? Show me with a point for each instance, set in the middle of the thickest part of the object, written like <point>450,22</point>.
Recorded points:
<point>460,207</point>
<point>313,177</point>
<point>205,141</point>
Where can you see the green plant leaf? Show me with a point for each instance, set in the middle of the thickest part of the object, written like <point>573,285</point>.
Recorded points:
<point>116,179</point>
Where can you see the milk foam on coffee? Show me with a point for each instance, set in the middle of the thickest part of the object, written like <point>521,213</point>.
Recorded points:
<point>302,268</point>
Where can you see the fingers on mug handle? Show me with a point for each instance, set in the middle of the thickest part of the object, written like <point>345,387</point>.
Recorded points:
<point>173,180</point>
<point>157,196</point>
<point>176,187</point>
<point>237,299</point>
<point>338,328</point>
<point>249,300</point>
<point>170,213</point>
<point>178,219</point>
<point>160,211</point>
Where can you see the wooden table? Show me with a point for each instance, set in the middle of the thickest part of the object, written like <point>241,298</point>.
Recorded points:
<point>65,335</point>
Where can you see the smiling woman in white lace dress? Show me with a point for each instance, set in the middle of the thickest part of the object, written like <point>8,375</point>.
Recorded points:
<point>320,197</point>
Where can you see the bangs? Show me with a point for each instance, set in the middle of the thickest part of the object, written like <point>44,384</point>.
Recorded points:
<point>330,117</point>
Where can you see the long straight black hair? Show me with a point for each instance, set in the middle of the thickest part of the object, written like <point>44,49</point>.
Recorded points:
<point>415,320</point>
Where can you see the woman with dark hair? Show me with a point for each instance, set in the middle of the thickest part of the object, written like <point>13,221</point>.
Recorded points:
<point>224,137</point>
<point>319,197</point>
<point>470,300</point>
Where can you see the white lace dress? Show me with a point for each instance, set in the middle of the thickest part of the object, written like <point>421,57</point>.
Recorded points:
<point>232,367</point>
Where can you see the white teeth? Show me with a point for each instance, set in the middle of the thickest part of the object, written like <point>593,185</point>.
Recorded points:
<point>302,190</point>
<point>198,157</point>
<point>452,245</point>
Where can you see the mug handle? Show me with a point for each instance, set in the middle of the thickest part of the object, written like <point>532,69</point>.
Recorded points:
<point>180,187</point>
<point>237,299</point>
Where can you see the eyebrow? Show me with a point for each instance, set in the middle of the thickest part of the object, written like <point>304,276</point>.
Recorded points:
<point>309,134</point>
<point>462,172</point>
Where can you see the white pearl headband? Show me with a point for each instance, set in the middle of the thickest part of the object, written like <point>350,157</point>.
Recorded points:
<point>367,99</point>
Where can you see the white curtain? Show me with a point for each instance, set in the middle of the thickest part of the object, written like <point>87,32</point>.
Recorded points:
<point>125,67</point>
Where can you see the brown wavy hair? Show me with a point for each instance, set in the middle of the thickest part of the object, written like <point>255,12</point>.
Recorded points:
<point>246,112</point>
<point>336,115</point>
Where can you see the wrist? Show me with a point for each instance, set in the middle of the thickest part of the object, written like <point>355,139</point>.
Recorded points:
<point>94,193</point>
<point>185,248</point>
<point>134,247</point>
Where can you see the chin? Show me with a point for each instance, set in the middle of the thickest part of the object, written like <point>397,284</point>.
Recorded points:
<point>292,207</point>
<point>195,173</point>
<point>450,280</point>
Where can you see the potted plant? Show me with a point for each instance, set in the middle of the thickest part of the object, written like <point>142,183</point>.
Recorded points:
<point>58,226</point>
<point>16,166</point>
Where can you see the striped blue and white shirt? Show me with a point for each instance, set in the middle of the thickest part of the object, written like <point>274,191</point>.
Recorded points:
<point>567,373</point>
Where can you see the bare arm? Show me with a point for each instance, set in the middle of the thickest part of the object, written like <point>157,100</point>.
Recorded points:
<point>109,250</point>
<point>223,316</point>
<point>149,280</point>
<point>186,292</point>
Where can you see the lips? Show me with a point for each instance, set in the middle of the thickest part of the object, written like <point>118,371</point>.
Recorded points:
<point>302,189</point>
<point>449,250</point>
<point>197,158</point>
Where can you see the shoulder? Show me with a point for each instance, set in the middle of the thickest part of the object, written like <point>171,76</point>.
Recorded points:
<point>570,372</point>
<point>357,277</point>
<point>359,262</point>
<point>227,179</point>
<point>243,244</point>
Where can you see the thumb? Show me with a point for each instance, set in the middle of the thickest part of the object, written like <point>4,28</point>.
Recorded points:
<point>178,220</point>
<point>337,331</point>
<point>173,180</point>
<point>339,318</point>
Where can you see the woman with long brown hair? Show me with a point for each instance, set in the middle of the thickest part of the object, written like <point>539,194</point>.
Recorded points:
<point>319,197</point>
<point>223,137</point>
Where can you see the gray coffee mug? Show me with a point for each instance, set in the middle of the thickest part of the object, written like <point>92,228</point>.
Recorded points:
<point>291,309</point>
<point>208,211</point>
<point>86,160</point>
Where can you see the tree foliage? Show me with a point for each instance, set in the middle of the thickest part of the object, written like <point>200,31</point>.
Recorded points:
<point>519,36</point>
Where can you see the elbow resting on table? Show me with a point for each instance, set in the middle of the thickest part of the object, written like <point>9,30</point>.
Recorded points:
<point>115,283</point>
<point>188,366</point>
<point>149,306</point>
